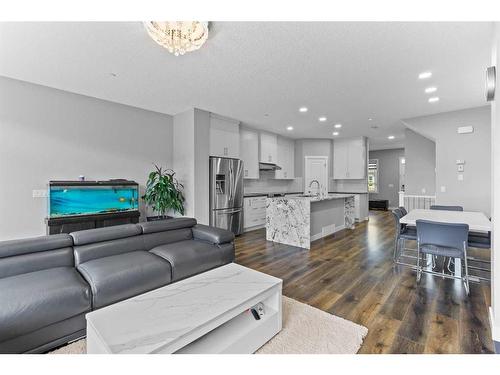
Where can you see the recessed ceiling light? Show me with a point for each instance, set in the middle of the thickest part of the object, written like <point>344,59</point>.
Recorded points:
<point>424,75</point>
<point>289,128</point>
<point>113,74</point>
<point>322,119</point>
<point>370,119</point>
<point>335,133</point>
<point>434,99</point>
<point>303,109</point>
<point>390,137</point>
<point>337,126</point>
<point>428,90</point>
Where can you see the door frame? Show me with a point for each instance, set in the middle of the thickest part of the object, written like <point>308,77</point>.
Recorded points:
<point>326,181</point>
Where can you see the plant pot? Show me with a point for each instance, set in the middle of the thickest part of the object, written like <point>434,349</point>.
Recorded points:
<point>156,218</point>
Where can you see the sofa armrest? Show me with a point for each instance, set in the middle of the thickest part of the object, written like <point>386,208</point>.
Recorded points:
<point>211,234</point>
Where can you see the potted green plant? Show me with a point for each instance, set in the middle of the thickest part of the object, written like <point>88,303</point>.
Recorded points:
<point>163,193</point>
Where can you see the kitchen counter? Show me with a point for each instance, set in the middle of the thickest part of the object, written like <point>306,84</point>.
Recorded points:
<point>297,221</point>
<point>322,198</point>
<point>249,195</point>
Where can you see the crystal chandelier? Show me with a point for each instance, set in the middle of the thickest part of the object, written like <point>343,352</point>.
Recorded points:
<point>178,37</point>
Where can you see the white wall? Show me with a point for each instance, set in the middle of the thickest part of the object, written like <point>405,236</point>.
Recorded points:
<point>202,151</point>
<point>388,174</point>
<point>495,188</point>
<point>48,134</point>
<point>473,193</point>
<point>312,147</point>
<point>190,160</point>
<point>183,156</point>
<point>420,156</point>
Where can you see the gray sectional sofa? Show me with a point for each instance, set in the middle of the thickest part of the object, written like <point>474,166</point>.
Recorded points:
<point>49,283</point>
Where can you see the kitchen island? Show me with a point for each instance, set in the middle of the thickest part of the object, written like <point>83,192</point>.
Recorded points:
<point>299,220</point>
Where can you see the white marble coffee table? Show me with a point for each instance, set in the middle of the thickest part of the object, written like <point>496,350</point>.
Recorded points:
<point>207,313</point>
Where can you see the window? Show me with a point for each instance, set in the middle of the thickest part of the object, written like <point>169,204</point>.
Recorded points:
<point>373,176</point>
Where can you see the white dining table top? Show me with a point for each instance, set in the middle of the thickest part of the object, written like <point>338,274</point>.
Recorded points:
<point>477,221</point>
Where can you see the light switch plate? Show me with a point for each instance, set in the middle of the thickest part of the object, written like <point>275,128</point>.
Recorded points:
<point>460,177</point>
<point>391,185</point>
<point>460,167</point>
<point>40,194</point>
<point>443,189</point>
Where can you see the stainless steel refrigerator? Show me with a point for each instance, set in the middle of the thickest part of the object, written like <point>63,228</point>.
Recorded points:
<point>226,194</point>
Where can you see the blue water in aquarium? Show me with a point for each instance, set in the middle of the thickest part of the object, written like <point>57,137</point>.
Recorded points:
<point>68,201</point>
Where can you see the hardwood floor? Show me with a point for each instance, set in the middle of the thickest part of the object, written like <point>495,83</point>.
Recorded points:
<point>351,274</point>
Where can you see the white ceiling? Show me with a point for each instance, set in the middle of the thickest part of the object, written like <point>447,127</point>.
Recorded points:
<point>261,72</point>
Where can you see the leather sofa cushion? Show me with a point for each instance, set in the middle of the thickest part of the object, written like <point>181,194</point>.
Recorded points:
<point>119,277</point>
<point>165,225</point>
<point>212,234</point>
<point>103,249</point>
<point>152,240</point>
<point>26,263</point>
<point>189,257</point>
<point>35,244</point>
<point>89,236</point>
<point>34,300</point>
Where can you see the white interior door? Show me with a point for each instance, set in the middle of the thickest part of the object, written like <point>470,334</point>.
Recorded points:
<point>316,168</point>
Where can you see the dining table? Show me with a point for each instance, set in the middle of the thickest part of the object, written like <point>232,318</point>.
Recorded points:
<point>477,222</point>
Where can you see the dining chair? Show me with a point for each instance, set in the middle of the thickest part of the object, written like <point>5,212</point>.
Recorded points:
<point>443,239</point>
<point>480,240</point>
<point>403,210</point>
<point>446,208</point>
<point>403,233</point>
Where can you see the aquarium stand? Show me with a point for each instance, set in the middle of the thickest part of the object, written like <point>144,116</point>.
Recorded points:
<point>73,223</point>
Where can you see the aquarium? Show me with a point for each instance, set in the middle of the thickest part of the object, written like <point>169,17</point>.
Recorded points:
<point>91,198</point>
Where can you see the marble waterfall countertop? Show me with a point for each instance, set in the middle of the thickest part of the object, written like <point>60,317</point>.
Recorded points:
<point>295,220</point>
<point>319,198</point>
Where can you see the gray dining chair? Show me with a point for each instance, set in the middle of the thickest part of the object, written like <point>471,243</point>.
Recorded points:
<point>446,208</point>
<point>403,233</point>
<point>403,210</point>
<point>480,240</point>
<point>443,239</point>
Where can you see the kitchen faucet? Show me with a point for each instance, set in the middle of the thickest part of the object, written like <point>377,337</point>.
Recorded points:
<point>319,186</point>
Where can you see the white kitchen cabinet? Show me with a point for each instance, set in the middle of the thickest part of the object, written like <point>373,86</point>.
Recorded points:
<point>249,153</point>
<point>285,159</point>
<point>349,159</point>
<point>268,148</point>
<point>254,212</point>
<point>224,137</point>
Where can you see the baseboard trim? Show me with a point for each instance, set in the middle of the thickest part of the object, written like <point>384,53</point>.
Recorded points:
<point>318,236</point>
<point>249,229</point>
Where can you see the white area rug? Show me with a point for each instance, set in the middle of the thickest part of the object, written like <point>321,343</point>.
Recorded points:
<point>306,330</point>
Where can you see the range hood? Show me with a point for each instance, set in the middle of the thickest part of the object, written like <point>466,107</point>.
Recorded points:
<point>269,167</point>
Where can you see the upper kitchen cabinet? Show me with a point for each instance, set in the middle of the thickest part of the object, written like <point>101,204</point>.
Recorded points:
<point>285,158</point>
<point>268,148</point>
<point>224,137</point>
<point>349,158</point>
<point>249,153</point>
